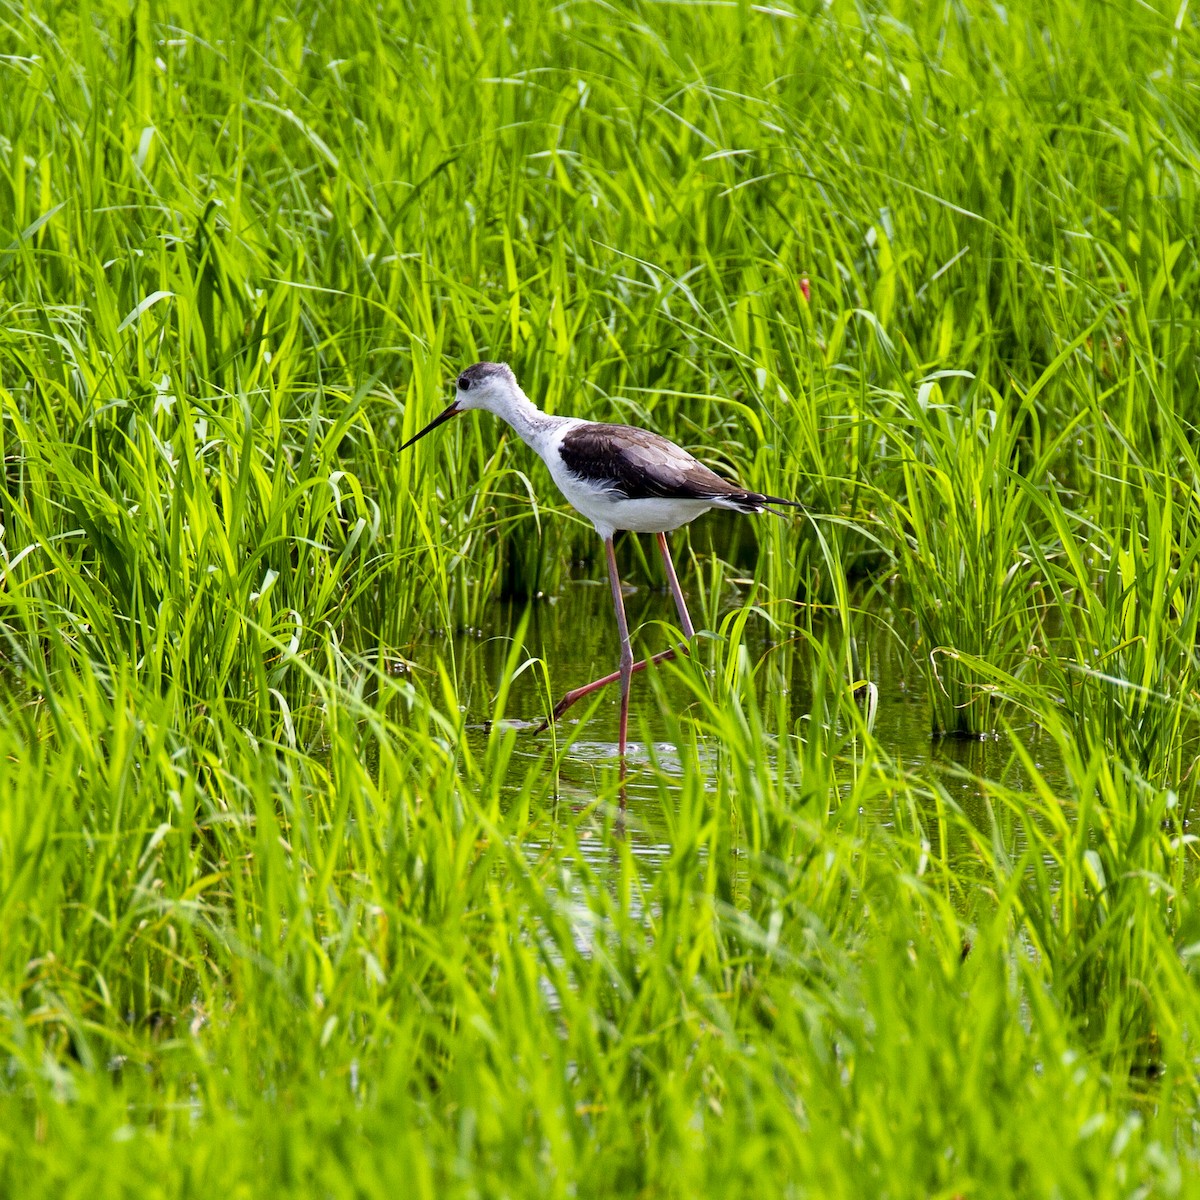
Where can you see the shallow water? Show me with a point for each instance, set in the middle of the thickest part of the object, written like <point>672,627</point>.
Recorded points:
<point>575,634</point>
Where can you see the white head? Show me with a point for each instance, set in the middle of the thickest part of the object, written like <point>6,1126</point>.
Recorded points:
<point>487,385</point>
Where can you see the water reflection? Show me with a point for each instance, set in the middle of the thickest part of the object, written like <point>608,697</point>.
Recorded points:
<point>575,635</point>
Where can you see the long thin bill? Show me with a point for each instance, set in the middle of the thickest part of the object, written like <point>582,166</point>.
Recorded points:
<point>452,411</point>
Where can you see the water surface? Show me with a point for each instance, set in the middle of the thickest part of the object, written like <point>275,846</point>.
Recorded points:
<point>575,634</point>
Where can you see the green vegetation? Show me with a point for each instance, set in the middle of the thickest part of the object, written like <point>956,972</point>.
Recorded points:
<point>273,918</point>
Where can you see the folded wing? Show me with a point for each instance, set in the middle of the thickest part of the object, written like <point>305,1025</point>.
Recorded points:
<point>639,465</point>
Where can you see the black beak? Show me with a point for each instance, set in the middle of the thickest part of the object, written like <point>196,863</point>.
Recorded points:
<point>452,411</point>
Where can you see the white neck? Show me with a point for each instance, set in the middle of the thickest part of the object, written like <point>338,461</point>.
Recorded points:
<point>527,420</point>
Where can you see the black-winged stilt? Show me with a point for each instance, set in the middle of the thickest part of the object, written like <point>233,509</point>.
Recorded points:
<point>617,476</point>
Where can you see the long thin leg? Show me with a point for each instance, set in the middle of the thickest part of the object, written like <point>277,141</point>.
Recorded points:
<point>688,631</point>
<point>577,694</point>
<point>626,649</point>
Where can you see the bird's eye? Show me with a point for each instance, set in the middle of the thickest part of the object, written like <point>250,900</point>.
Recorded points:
<point>464,383</point>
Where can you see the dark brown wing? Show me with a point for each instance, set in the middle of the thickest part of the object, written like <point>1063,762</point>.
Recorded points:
<point>640,465</point>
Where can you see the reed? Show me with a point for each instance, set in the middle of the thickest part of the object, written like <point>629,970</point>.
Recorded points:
<point>292,900</point>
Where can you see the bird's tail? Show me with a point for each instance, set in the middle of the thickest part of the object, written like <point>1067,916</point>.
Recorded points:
<point>753,502</point>
<point>757,502</point>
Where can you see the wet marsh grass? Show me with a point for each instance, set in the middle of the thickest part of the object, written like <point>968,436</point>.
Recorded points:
<point>272,919</point>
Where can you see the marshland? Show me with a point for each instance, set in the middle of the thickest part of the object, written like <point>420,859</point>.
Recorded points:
<point>899,897</point>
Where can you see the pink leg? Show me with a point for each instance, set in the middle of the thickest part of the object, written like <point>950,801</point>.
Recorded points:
<point>588,688</point>
<point>576,694</point>
<point>688,631</point>
<point>626,672</point>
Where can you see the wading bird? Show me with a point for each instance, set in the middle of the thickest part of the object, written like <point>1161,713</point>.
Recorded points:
<point>617,476</point>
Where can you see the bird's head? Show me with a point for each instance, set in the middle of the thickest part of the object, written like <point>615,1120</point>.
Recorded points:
<point>486,385</point>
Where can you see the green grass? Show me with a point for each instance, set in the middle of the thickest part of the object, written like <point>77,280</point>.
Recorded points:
<point>272,917</point>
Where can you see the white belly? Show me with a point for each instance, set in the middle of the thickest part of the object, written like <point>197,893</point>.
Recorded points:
<point>642,516</point>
